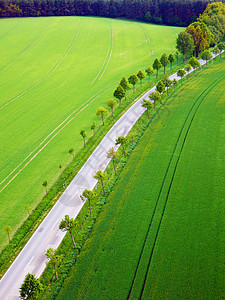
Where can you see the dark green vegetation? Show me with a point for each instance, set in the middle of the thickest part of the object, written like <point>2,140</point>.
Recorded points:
<point>179,13</point>
<point>161,234</point>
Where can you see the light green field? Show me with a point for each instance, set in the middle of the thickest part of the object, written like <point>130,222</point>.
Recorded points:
<point>54,73</point>
<point>162,233</point>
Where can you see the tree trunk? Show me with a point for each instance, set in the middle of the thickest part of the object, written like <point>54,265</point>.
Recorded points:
<point>164,69</point>
<point>133,89</point>
<point>112,111</point>
<point>114,166</point>
<point>148,113</point>
<point>170,66</point>
<point>103,187</point>
<point>157,73</point>
<point>120,103</point>
<point>181,79</point>
<point>167,91</point>
<point>9,238</point>
<point>102,120</point>
<point>183,57</point>
<point>124,151</point>
<point>84,143</point>
<point>56,275</point>
<point>90,208</point>
<point>73,240</point>
<point>148,78</point>
<point>154,105</point>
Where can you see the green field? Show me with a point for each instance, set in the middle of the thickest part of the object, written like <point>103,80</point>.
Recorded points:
<point>162,233</point>
<point>54,73</point>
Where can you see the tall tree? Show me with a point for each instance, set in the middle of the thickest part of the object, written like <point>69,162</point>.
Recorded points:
<point>168,84</point>
<point>141,76</point>
<point>30,288</point>
<point>171,59</point>
<point>88,195</point>
<point>194,63</point>
<point>185,43</point>
<point>101,111</point>
<point>221,47</point>
<point>198,37</point>
<point>8,230</point>
<point>111,103</point>
<point>112,154</point>
<point>68,224</point>
<point>93,126</point>
<point>181,73</point>
<point>175,83</point>
<point>187,68</point>
<point>125,85</point>
<point>206,55</point>
<point>121,140</point>
<point>155,96</point>
<point>133,79</point>
<point>160,87</point>
<point>147,104</point>
<point>71,152</point>
<point>119,93</point>
<point>149,71</point>
<point>157,66</point>
<point>84,135</point>
<point>53,259</point>
<point>45,185</point>
<point>100,176</point>
<point>164,61</point>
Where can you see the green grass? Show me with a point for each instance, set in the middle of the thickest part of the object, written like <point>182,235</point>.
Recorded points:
<point>161,234</point>
<point>47,74</point>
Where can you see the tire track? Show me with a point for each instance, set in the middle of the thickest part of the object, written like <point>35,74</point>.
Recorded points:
<point>108,56</point>
<point>25,51</point>
<point>211,87</point>
<point>51,136</point>
<point>51,70</point>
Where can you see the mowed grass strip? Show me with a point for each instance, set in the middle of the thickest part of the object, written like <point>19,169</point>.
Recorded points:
<point>51,83</point>
<point>188,257</point>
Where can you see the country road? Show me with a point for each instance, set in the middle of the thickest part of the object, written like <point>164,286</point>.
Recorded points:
<point>32,258</point>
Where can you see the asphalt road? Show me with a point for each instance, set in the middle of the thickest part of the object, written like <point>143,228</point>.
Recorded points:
<point>32,258</point>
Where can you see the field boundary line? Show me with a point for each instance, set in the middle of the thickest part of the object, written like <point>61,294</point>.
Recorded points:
<point>51,70</point>
<point>216,82</point>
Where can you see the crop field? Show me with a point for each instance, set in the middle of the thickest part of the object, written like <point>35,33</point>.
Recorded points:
<point>162,233</point>
<point>54,73</point>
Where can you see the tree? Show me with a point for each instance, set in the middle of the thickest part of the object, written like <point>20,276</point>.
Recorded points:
<point>45,185</point>
<point>157,66</point>
<point>71,152</point>
<point>171,59</point>
<point>185,43</point>
<point>119,93</point>
<point>181,73</point>
<point>54,259</point>
<point>111,103</point>
<point>88,195</point>
<point>175,83</point>
<point>133,79</point>
<point>206,55</point>
<point>198,37</point>
<point>83,134</point>
<point>187,68</point>
<point>67,224</point>
<point>160,87</point>
<point>141,76</point>
<point>93,126</point>
<point>221,47</point>
<point>125,86</point>
<point>155,96</point>
<point>112,154</point>
<point>164,61</point>
<point>147,104</point>
<point>168,84</point>
<point>216,51</point>
<point>30,288</point>
<point>100,176</point>
<point>194,63</point>
<point>8,230</point>
<point>149,71</point>
<point>101,111</point>
<point>121,140</point>
<point>28,209</point>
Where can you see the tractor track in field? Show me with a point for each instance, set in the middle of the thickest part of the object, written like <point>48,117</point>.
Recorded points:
<point>50,137</point>
<point>107,58</point>
<point>26,50</point>
<point>198,103</point>
<point>51,70</point>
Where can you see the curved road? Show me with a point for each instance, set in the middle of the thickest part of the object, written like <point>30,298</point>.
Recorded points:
<point>32,258</point>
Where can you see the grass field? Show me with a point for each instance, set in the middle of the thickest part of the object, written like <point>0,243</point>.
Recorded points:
<point>54,73</point>
<point>161,234</point>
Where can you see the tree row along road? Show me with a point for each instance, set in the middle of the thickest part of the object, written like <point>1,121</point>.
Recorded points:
<point>32,258</point>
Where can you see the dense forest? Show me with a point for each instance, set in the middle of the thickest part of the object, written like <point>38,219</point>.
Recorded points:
<point>170,12</point>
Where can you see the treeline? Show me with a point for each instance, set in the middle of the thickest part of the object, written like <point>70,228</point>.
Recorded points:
<point>170,12</point>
